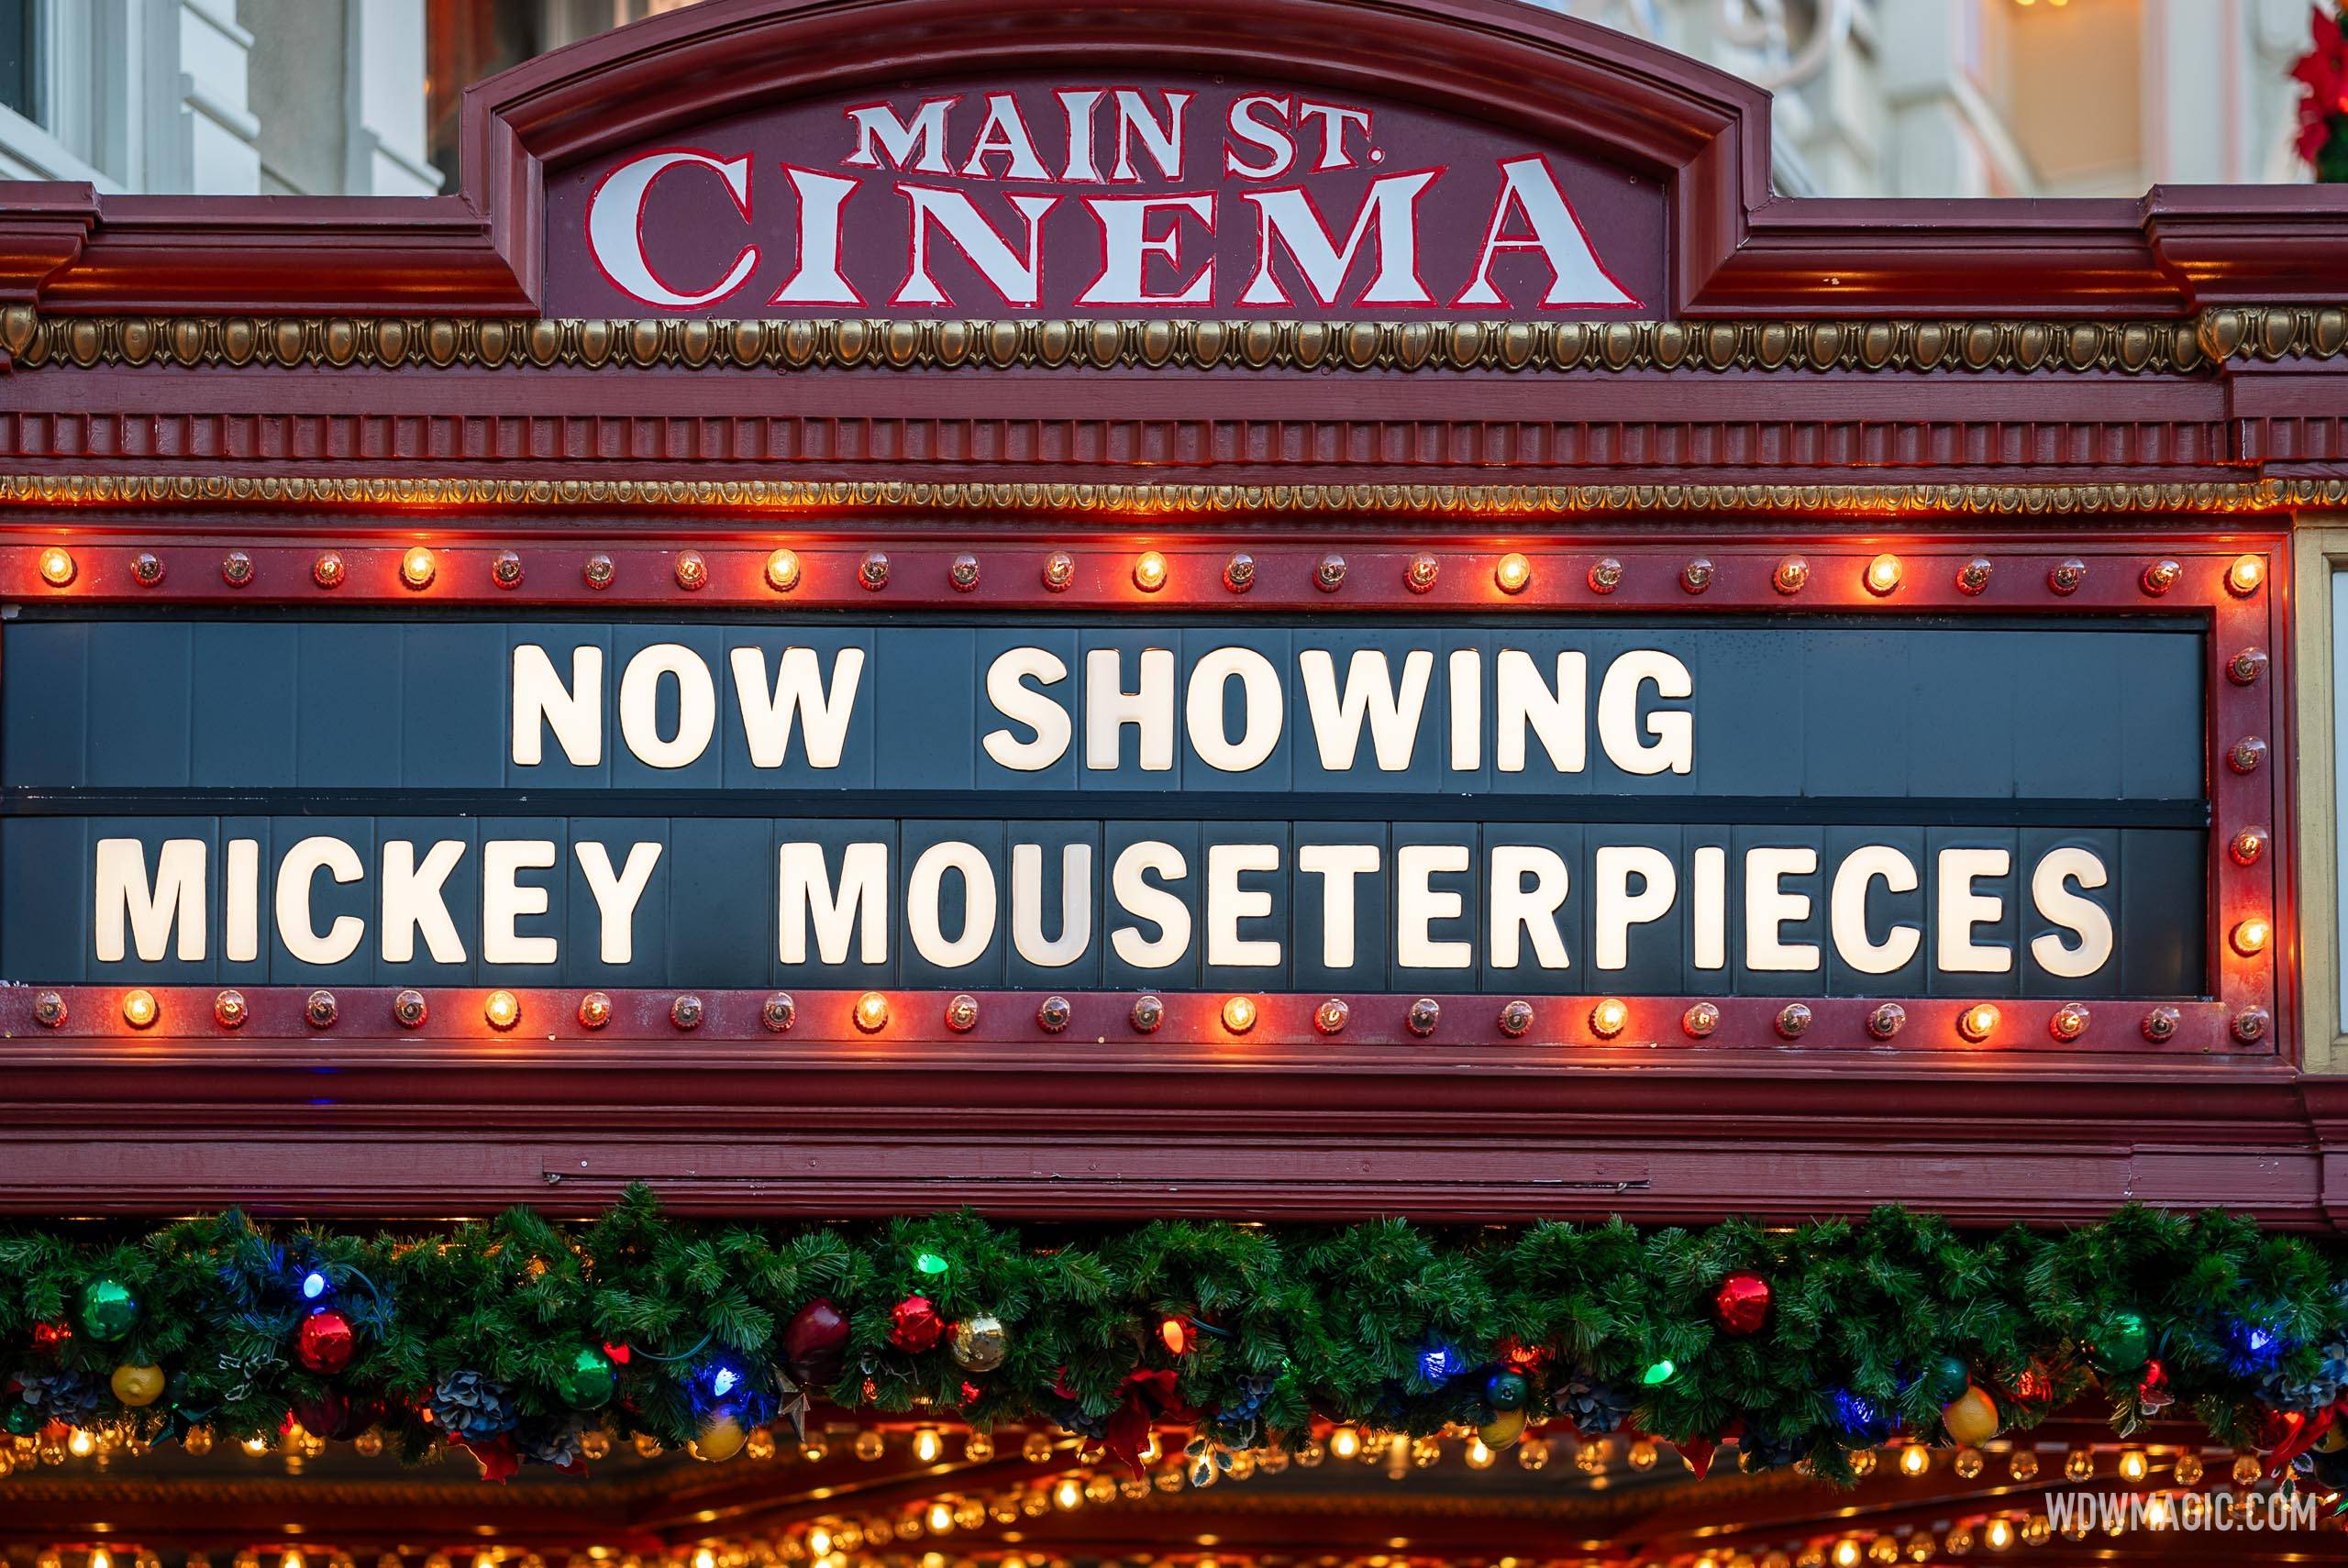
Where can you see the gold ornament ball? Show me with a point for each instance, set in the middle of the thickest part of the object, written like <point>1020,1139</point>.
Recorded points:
<point>1503,1430</point>
<point>198,1440</point>
<point>1971,1417</point>
<point>980,1342</point>
<point>718,1441</point>
<point>138,1386</point>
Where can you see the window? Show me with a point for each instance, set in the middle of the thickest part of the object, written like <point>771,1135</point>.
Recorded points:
<point>20,72</point>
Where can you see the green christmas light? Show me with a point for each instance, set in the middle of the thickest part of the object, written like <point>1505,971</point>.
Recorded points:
<point>1661,1372</point>
<point>930,1263</point>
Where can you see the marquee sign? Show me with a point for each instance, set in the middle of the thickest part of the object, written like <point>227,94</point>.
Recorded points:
<point>657,772</point>
<point>1204,196</point>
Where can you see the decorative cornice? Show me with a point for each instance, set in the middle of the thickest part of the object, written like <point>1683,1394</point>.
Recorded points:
<point>1917,347</point>
<point>1160,500</point>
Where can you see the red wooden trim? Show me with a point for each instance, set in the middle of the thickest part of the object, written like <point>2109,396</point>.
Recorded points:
<point>1736,250</point>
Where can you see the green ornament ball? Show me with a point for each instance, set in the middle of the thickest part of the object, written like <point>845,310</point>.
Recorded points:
<point>1506,1391</point>
<point>22,1419</point>
<point>1947,1378</point>
<point>2125,1344</point>
<point>108,1310</point>
<point>588,1383</point>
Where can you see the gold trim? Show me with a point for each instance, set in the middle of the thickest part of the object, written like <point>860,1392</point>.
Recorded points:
<point>2154,347</point>
<point>1158,500</point>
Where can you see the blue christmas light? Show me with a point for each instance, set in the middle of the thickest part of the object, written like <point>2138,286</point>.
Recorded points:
<point>2253,1347</point>
<point>1858,1416</point>
<point>723,1380</point>
<point>314,1283</point>
<point>1440,1363</point>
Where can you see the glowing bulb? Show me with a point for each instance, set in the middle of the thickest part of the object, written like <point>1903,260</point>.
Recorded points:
<point>871,1011</point>
<point>101,1558</point>
<point>2249,936</point>
<point>417,566</point>
<point>1998,1534</point>
<point>782,571</point>
<point>1512,573</point>
<point>931,1263</point>
<point>1480,1455</point>
<point>1915,1459</point>
<point>292,1559</point>
<point>1976,1022</point>
<point>80,1445</point>
<point>1660,1371</point>
<point>1345,1442</point>
<point>2247,572</point>
<point>2133,1466</point>
<point>940,1519</point>
<point>139,1008</point>
<point>819,1542</point>
<point>1883,575</point>
<point>502,1009</point>
<point>314,1285</point>
<point>56,567</point>
<point>1643,1454</point>
<point>927,1446</point>
<point>1175,1334</point>
<point>1068,1493</point>
<point>1149,571</point>
<point>1847,1554</point>
<point>1239,1014</point>
<point>256,1445</point>
<point>1606,1020</point>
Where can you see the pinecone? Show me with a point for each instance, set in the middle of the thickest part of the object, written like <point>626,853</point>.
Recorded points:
<point>469,1404</point>
<point>1593,1406</point>
<point>65,1396</point>
<point>2310,1394</point>
<point>557,1444</point>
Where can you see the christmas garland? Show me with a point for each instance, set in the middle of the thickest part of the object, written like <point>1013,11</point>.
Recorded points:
<point>518,1337</point>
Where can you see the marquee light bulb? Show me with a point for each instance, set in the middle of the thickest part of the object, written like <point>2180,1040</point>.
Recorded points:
<point>139,1008</point>
<point>782,570</point>
<point>819,1542</point>
<point>1883,575</point>
<point>1915,1459</point>
<point>871,1011</point>
<point>417,566</point>
<point>705,1558</point>
<point>2251,935</point>
<point>101,1558</point>
<point>80,1445</point>
<point>940,1519</point>
<point>256,1445</point>
<point>1068,1493</point>
<point>2247,572</point>
<point>1345,1442</point>
<point>1847,1554</point>
<point>56,567</point>
<point>1512,573</point>
<point>1239,1014</point>
<point>502,1010</point>
<point>1607,1019</point>
<point>1978,1023</point>
<point>1480,1455</point>
<point>927,1445</point>
<point>1998,1534</point>
<point>1149,571</point>
<point>2133,1466</point>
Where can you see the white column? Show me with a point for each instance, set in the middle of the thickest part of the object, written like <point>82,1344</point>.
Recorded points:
<point>383,101</point>
<point>201,134</point>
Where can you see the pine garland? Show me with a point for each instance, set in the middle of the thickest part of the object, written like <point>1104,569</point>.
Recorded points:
<point>1290,1324</point>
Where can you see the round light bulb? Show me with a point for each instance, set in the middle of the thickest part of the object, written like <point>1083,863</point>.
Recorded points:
<point>1512,573</point>
<point>1149,571</point>
<point>139,1008</point>
<point>782,570</point>
<point>1345,1442</point>
<point>2134,1465</point>
<point>2247,572</point>
<point>1607,1019</point>
<point>56,567</point>
<point>1978,1023</point>
<point>2249,936</point>
<point>1480,1455</point>
<point>819,1542</point>
<point>255,1445</point>
<point>1883,575</point>
<point>927,1446</point>
<point>871,1011</point>
<point>1998,1534</point>
<point>417,566</point>
<point>1068,1493</point>
<point>80,1445</point>
<point>1239,1014</point>
<point>940,1519</point>
<point>705,1558</point>
<point>1915,1459</point>
<point>1847,1554</point>
<point>502,1010</point>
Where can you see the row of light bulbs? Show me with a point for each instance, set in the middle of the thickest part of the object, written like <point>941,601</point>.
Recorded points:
<point>1512,574</point>
<point>501,1009</point>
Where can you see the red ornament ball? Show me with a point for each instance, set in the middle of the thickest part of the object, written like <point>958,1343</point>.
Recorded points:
<point>326,1342</point>
<point>1742,1303</point>
<point>814,1344</point>
<point>915,1325</point>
